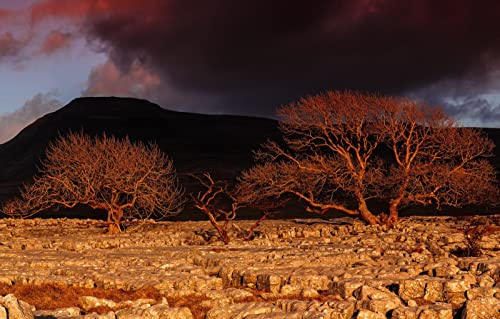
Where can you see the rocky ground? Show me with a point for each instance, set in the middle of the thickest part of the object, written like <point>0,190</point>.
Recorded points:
<point>292,269</point>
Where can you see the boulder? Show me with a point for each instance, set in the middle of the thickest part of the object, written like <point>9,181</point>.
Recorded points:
<point>434,290</point>
<point>3,313</point>
<point>412,289</point>
<point>16,309</point>
<point>482,308</point>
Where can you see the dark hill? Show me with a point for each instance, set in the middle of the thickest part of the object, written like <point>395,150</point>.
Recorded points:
<point>217,143</point>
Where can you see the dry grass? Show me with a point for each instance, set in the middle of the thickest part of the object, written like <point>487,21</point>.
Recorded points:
<point>53,296</point>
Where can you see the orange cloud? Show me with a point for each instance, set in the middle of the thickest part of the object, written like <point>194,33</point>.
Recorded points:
<point>55,41</point>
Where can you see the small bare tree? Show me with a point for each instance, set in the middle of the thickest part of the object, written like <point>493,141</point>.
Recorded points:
<point>217,203</point>
<point>220,202</point>
<point>344,148</point>
<point>128,180</point>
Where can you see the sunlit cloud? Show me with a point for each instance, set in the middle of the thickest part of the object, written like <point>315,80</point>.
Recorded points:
<point>108,79</point>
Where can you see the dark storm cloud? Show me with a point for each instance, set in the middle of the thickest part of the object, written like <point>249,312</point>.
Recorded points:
<point>475,111</point>
<point>250,56</point>
<point>264,53</point>
<point>474,100</point>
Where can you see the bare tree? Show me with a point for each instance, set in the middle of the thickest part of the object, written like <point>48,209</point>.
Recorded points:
<point>435,160</point>
<point>217,203</point>
<point>128,180</point>
<point>220,202</point>
<point>344,148</point>
<point>331,139</point>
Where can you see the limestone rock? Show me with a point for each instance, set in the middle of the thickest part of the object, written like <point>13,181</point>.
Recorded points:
<point>240,311</point>
<point>405,313</point>
<point>61,312</point>
<point>412,289</point>
<point>290,315</point>
<point>434,290</point>
<point>318,282</point>
<point>381,305</point>
<point>367,314</point>
<point>482,308</point>
<point>289,290</point>
<point>232,293</point>
<point>3,313</point>
<point>345,288</point>
<point>482,292</point>
<point>436,311</point>
<point>16,309</point>
<point>309,293</point>
<point>109,315</point>
<point>456,285</point>
<point>159,311</point>
<point>90,302</point>
<point>371,293</point>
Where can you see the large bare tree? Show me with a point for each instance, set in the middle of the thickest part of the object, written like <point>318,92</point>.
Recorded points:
<point>344,148</point>
<point>125,179</point>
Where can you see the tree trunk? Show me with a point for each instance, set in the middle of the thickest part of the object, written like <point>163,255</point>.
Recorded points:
<point>394,203</point>
<point>364,211</point>
<point>114,221</point>
<point>255,225</point>
<point>222,231</point>
<point>367,215</point>
<point>393,213</point>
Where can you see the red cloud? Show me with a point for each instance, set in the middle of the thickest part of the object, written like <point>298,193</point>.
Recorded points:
<point>4,13</point>
<point>50,8</point>
<point>55,41</point>
<point>75,9</point>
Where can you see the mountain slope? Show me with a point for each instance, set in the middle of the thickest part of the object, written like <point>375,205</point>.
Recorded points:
<point>196,142</point>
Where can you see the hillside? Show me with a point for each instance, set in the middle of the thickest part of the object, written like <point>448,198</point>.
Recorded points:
<point>196,142</point>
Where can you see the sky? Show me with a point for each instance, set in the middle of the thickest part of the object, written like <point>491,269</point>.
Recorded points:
<point>247,56</point>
